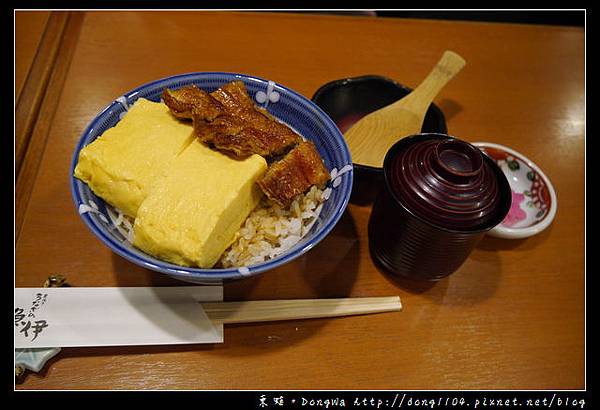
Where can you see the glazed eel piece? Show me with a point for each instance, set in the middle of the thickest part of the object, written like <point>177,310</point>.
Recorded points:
<point>300,169</point>
<point>228,120</point>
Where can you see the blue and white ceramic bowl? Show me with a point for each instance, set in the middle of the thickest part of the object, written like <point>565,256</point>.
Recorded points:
<point>286,105</point>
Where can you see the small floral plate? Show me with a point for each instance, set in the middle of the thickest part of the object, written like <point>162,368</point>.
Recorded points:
<point>534,201</point>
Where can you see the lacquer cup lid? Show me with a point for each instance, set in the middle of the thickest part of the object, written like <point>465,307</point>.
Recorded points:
<point>447,182</point>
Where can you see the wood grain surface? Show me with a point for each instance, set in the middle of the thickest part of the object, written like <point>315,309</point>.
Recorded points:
<point>512,317</point>
<point>32,92</point>
<point>44,115</point>
<point>29,29</point>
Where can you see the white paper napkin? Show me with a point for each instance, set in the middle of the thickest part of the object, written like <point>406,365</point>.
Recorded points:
<point>70,317</point>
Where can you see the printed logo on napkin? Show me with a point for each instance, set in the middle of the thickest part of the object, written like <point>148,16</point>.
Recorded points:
<point>68,317</point>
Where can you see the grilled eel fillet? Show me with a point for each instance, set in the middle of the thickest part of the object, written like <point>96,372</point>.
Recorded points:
<point>186,101</point>
<point>228,119</point>
<point>300,169</point>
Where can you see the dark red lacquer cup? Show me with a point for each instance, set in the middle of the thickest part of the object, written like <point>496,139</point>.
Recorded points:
<point>440,196</point>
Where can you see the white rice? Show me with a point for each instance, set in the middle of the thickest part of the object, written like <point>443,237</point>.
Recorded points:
<point>271,230</point>
<point>268,231</point>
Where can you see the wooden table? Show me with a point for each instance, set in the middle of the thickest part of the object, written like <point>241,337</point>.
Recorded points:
<point>512,317</point>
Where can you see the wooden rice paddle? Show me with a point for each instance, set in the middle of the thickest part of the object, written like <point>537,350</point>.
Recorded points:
<point>370,138</point>
<point>269,310</point>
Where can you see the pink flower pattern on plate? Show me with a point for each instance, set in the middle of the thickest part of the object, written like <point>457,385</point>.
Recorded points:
<point>515,214</point>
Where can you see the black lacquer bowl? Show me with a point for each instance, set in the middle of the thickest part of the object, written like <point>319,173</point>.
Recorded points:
<point>348,100</point>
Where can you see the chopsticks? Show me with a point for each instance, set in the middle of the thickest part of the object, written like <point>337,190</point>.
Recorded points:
<point>270,310</point>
